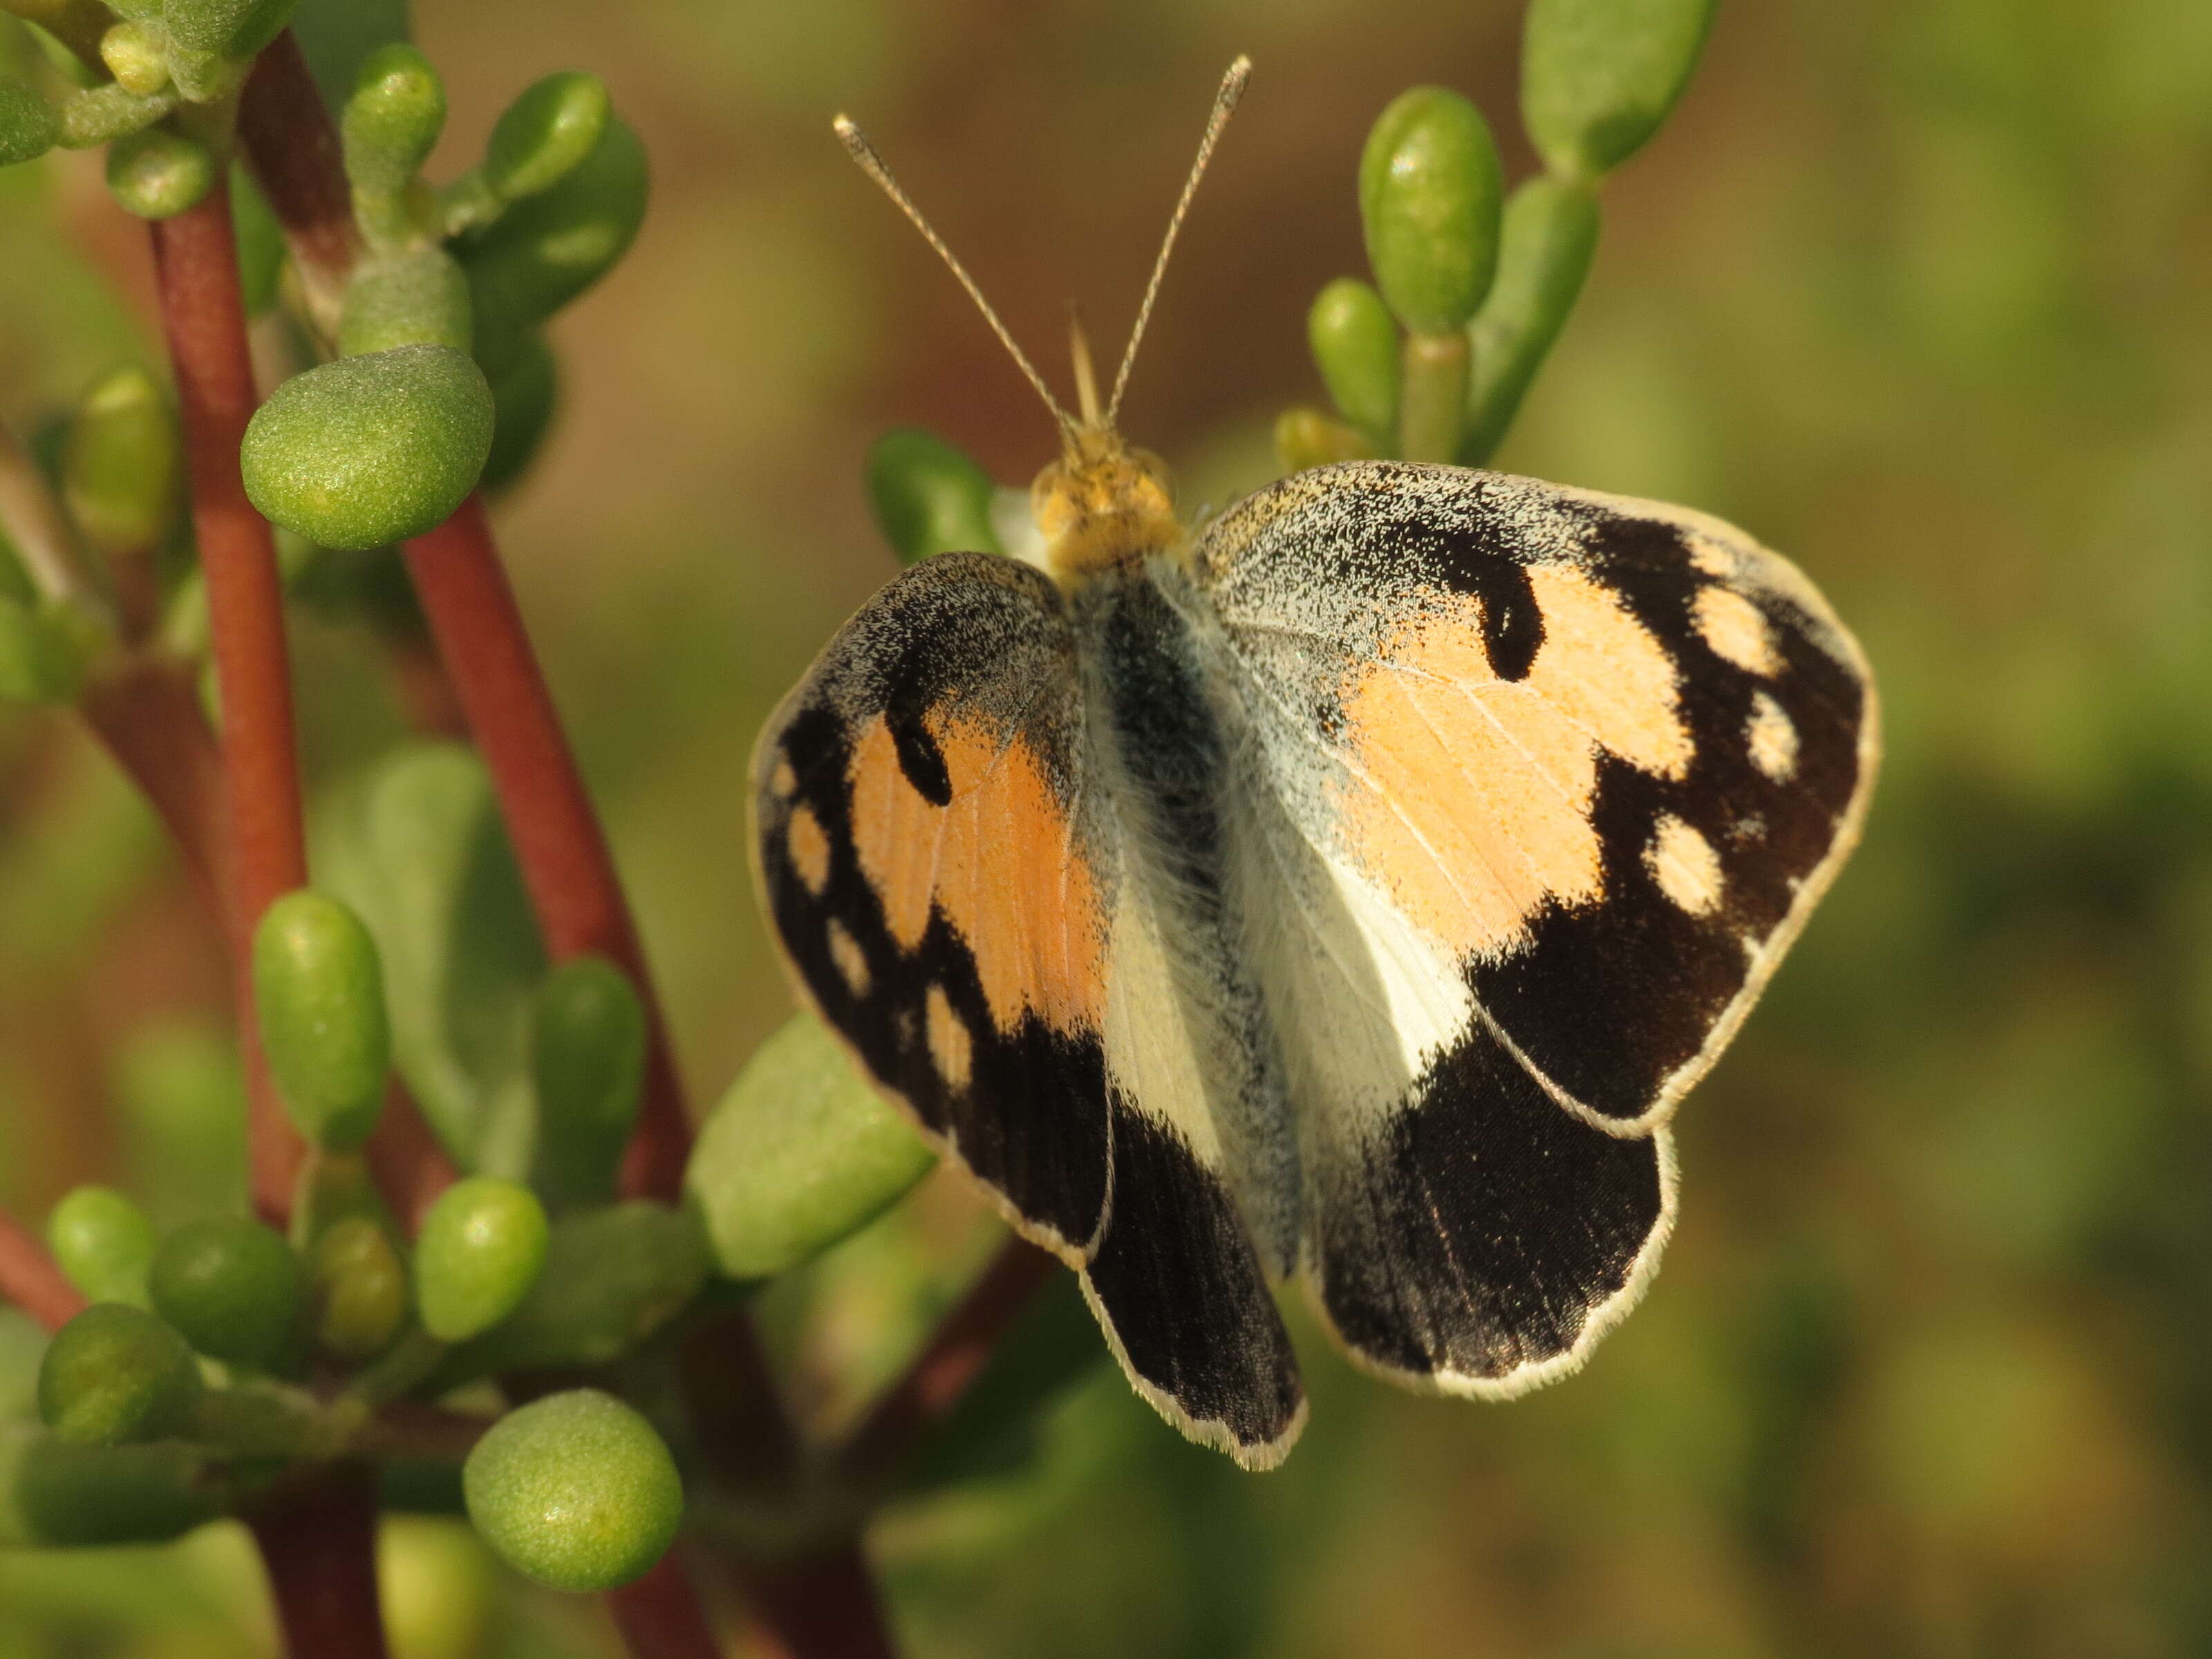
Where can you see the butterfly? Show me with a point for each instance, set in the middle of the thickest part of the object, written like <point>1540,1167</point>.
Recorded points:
<point>1345,889</point>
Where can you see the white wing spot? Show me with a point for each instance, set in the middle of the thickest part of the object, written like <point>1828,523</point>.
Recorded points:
<point>951,1049</point>
<point>1772,739</point>
<point>1736,631</point>
<point>1685,865</point>
<point>849,960</point>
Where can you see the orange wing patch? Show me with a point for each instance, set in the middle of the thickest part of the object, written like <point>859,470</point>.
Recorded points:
<point>1475,807</point>
<point>998,858</point>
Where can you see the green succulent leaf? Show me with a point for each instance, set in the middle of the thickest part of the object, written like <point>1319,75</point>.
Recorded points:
<point>587,1058</point>
<point>54,1493</point>
<point>103,1243</point>
<point>233,1287</point>
<point>361,1290</point>
<point>365,451</point>
<point>115,1374</point>
<point>205,26</point>
<point>1355,345</point>
<point>101,115</point>
<point>525,397</point>
<point>158,174</point>
<point>1307,437</point>
<point>1429,189</point>
<point>612,1278</point>
<point>478,1254</point>
<point>545,134</point>
<point>1598,77</point>
<point>417,297</point>
<point>548,248</point>
<point>39,657</point>
<point>575,1491</point>
<point>28,125</point>
<point>800,1153</point>
<point>929,496</point>
<point>1551,237</point>
<point>392,119</point>
<point>415,844</point>
<point>318,995</point>
<point>122,469</point>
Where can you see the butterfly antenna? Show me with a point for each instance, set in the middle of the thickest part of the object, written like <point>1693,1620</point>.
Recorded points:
<point>856,143</point>
<point>1225,104</point>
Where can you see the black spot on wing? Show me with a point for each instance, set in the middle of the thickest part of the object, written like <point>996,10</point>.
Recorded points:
<point>921,760</point>
<point>1512,625</point>
<point>1610,997</point>
<point>1176,1275</point>
<point>1481,1227</point>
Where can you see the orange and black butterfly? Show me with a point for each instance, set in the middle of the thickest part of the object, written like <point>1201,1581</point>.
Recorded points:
<point>1345,889</point>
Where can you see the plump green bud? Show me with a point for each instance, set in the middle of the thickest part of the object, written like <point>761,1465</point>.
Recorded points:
<point>369,450</point>
<point>1551,236</point>
<point>115,1374</point>
<point>392,119</point>
<point>361,1289</point>
<point>138,55</point>
<point>588,1045</point>
<point>1306,437</point>
<point>102,115</point>
<point>800,1153</point>
<point>1598,77</point>
<point>480,1251</point>
<point>122,462</point>
<point>53,1492</point>
<point>318,993</point>
<point>548,248</point>
<point>417,297</point>
<point>103,1243</point>
<point>545,134</point>
<point>260,242</point>
<point>575,1491</point>
<point>231,1285</point>
<point>525,396</point>
<point>1429,194</point>
<point>157,174</point>
<point>1355,345</point>
<point>612,1277</point>
<point>929,496</point>
<point>29,126</point>
<point>39,657</point>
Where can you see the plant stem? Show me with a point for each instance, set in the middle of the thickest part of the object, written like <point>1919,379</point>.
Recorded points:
<point>659,1615</point>
<point>405,1160</point>
<point>933,1384</point>
<point>292,144</point>
<point>196,267</point>
<point>317,1539</point>
<point>29,1278</point>
<point>1432,406</point>
<point>821,1606</point>
<point>53,556</point>
<point>147,713</point>
<point>565,860</point>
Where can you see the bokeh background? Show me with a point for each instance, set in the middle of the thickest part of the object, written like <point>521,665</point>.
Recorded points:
<point>1914,290</point>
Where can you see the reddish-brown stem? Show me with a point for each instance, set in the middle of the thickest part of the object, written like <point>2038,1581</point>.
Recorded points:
<point>409,1167</point>
<point>940,1374</point>
<point>566,864</point>
<point>202,313</point>
<point>821,1606</point>
<point>148,715</point>
<point>29,1278</point>
<point>659,1615</point>
<point>317,1535</point>
<point>409,1428</point>
<point>292,144</point>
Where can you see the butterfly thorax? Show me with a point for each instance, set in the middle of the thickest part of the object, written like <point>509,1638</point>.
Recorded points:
<point>1103,506</point>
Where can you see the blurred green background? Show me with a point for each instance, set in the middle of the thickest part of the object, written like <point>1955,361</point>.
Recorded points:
<point>1914,290</point>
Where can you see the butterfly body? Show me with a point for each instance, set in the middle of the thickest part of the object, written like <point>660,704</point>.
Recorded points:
<point>1346,891</point>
